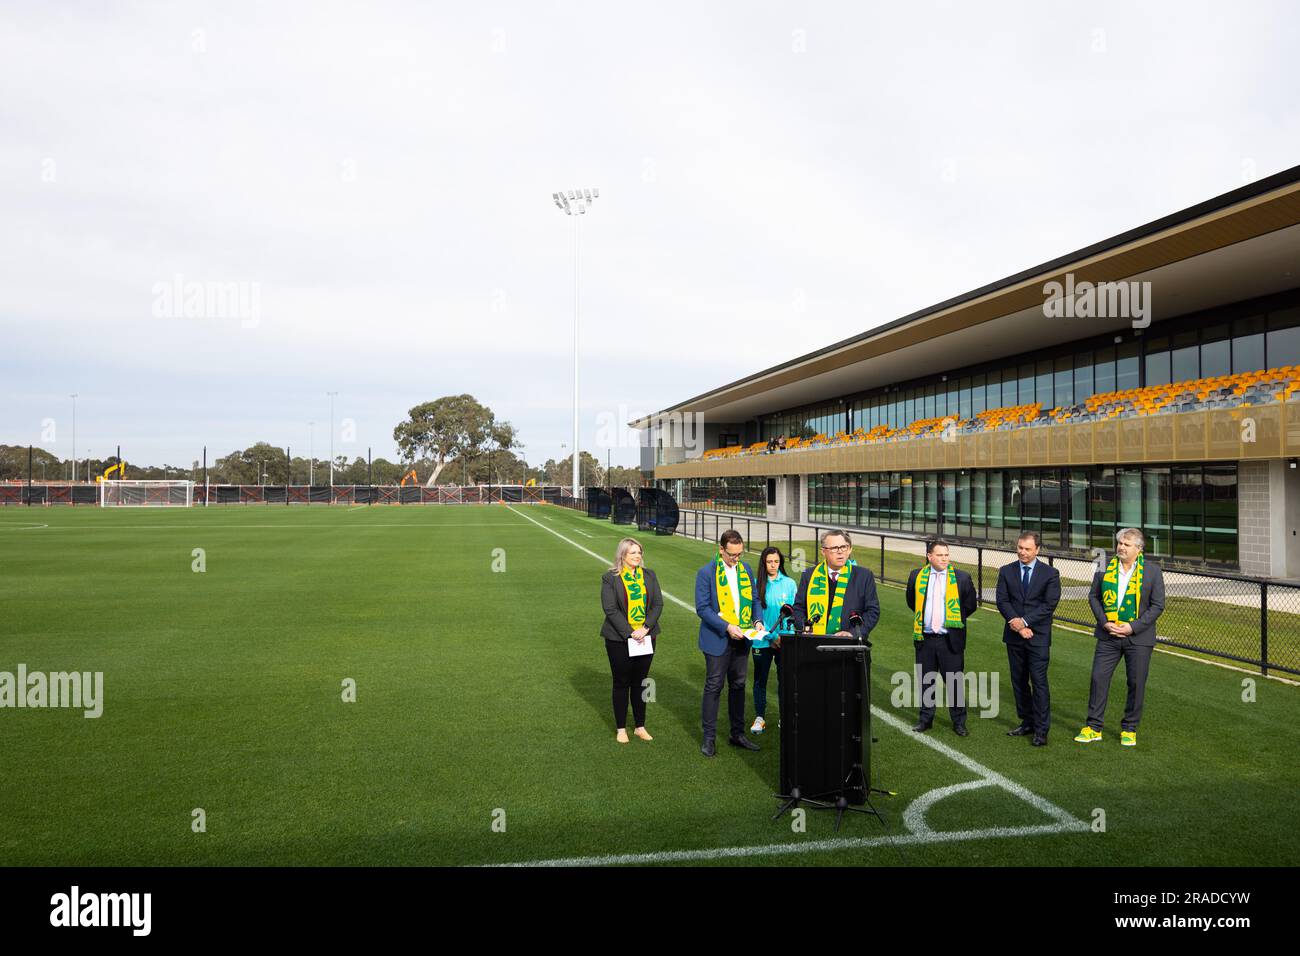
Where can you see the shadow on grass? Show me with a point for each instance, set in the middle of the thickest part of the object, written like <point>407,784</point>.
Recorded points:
<point>674,697</point>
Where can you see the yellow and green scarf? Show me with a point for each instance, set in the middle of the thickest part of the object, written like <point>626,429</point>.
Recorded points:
<point>818,586</point>
<point>744,615</point>
<point>634,584</point>
<point>1121,609</point>
<point>951,602</point>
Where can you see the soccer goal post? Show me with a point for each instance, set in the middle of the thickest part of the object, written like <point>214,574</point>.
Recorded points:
<point>146,494</point>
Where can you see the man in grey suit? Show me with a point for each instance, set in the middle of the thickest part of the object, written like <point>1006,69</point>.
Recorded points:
<point>1126,600</point>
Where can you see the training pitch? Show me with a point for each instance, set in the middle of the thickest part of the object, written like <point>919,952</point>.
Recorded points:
<point>481,733</point>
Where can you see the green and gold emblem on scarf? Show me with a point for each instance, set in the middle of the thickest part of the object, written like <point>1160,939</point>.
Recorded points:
<point>951,602</point>
<point>818,598</point>
<point>1121,609</point>
<point>634,584</point>
<point>744,615</point>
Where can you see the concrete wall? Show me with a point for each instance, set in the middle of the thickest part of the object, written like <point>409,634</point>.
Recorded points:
<point>1254,539</point>
<point>1268,518</point>
<point>787,500</point>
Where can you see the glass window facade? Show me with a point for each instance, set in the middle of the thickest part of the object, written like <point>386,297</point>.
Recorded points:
<point>743,496</point>
<point>1238,338</point>
<point>827,420</point>
<point>1188,513</point>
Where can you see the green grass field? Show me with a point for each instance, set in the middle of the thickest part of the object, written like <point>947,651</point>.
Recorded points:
<point>481,691</point>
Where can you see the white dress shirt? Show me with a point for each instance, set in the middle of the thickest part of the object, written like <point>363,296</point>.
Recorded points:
<point>935,600</point>
<point>1124,577</point>
<point>733,582</point>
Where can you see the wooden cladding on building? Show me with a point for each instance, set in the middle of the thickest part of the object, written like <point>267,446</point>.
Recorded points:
<point>1227,434</point>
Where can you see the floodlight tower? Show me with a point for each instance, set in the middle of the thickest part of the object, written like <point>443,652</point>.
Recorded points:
<point>332,396</point>
<point>575,203</point>
<point>74,438</point>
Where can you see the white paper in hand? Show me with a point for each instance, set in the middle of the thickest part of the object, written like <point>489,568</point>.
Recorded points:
<point>640,650</point>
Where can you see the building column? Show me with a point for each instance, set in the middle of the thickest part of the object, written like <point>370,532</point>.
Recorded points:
<point>1260,549</point>
<point>787,499</point>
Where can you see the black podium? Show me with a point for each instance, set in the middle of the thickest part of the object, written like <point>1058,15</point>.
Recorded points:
<point>826,724</point>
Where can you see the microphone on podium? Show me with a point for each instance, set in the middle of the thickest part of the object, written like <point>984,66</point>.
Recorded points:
<point>855,628</point>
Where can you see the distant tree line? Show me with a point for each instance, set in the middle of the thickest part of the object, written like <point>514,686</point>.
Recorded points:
<point>453,440</point>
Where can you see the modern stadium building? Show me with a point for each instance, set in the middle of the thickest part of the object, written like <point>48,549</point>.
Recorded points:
<point>1151,380</point>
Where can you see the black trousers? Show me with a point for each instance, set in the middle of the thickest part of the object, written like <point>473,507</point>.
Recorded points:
<point>733,667</point>
<point>942,665</point>
<point>763,658</point>
<point>1029,684</point>
<point>628,673</point>
<point>1137,664</point>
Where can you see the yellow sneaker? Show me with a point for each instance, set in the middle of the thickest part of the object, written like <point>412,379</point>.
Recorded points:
<point>1087,736</point>
<point>1128,738</point>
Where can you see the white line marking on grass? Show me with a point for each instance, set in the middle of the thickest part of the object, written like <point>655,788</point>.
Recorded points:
<point>22,527</point>
<point>675,600</point>
<point>913,816</point>
<point>427,526</point>
<point>782,849</point>
<point>977,768</point>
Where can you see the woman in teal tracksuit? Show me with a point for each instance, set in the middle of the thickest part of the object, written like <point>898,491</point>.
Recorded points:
<point>774,589</point>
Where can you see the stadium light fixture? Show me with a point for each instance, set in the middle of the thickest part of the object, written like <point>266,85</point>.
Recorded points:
<point>331,395</point>
<point>575,203</point>
<point>74,436</point>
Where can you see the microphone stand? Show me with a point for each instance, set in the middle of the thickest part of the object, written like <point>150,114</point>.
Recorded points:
<point>861,649</point>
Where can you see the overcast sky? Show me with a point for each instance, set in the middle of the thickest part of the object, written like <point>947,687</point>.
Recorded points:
<point>377,177</point>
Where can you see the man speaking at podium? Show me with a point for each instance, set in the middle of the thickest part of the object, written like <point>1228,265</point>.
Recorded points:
<point>836,589</point>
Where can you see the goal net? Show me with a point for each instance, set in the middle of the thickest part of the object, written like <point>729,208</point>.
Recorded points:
<point>146,494</point>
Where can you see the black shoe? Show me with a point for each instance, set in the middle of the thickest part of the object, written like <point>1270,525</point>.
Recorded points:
<point>709,748</point>
<point>922,727</point>
<point>961,731</point>
<point>743,742</point>
<point>1040,740</point>
<point>1024,730</point>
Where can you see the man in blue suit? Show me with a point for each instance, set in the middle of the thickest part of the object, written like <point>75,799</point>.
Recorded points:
<point>1028,592</point>
<point>724,601</point>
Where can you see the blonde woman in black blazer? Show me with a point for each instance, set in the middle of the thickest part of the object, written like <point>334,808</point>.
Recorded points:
<point>629,672</point>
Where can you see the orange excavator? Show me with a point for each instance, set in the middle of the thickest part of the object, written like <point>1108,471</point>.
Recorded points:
<point>410,476</point>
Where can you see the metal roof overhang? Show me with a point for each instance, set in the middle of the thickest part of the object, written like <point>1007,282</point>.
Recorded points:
<point>1240,245</point>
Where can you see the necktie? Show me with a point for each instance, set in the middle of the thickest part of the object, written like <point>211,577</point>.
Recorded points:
<point>1024,578</point>
<point>936,616</point>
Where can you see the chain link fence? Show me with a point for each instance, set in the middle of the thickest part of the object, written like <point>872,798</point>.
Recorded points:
<point>1248,620</point>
